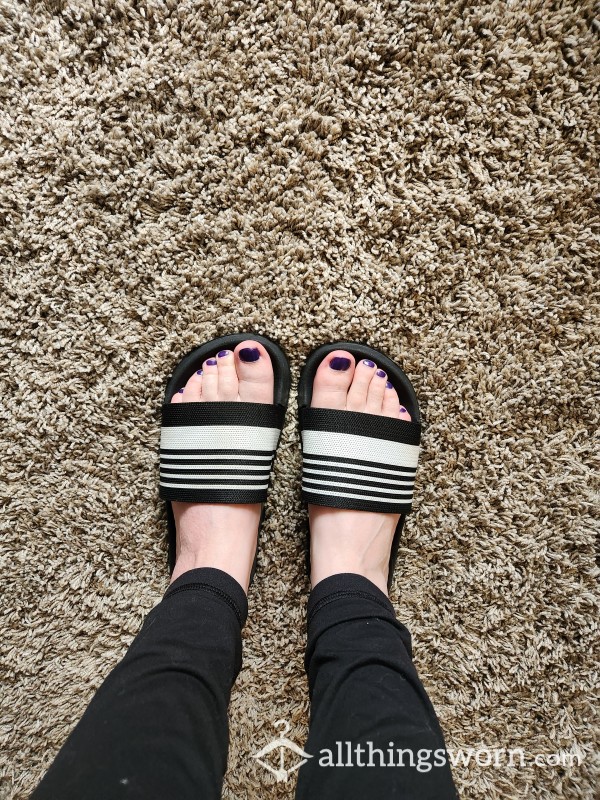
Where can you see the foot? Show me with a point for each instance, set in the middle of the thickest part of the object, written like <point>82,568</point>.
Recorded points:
<point>223,535</point>
<point>341,540</point>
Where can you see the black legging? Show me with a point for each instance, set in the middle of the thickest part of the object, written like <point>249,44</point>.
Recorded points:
<point>157,727</point>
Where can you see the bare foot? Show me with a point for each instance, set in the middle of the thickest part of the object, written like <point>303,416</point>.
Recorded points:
<point>343,540</point>
<point>223,535</point>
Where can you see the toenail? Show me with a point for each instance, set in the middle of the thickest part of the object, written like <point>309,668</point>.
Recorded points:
<point>368,363</point>
<point>181,391</point>
<point>199,372</point>
<point>340,363</point>
<point>223,353</point>
<point>389,385</point>
<point>403,410</point>
<point>211,362</point>
<point>380,373</point>
<point>248,354</point>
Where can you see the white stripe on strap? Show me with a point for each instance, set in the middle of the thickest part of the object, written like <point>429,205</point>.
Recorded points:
<point>340,484</point>
<point>373,498</point>
<point>365,448</point>
<point>358,474</point>
<point>225,437</point>
<point>250,487</point>
<point>406,474</point>
<point>169,475</point>
<point>218,457</point>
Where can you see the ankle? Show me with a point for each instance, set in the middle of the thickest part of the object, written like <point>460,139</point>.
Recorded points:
<point>351,541</point>
<point>237,570</point>
<point>221,536</point>
<point>377,574</point>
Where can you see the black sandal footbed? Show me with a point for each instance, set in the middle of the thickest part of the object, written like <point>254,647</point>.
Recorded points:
<point>359,350</point>
<point>194,360</point>
<point>190,364</point>
<point>399,381</point>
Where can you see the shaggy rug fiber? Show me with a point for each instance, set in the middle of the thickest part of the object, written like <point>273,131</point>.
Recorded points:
<point>417,175</point>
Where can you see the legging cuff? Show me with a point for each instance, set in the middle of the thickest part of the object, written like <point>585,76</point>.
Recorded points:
<point>344,597</point>
<point>215,582</point>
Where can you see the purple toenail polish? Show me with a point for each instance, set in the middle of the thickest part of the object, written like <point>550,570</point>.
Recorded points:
<point>380,373</point>
<point>199,372</point>
<point>223,353</point>
<point>211,362</point>
<point>340,363</point>
<point>368,363</point>
<point>249,354</point>
<point>181,391</point>
<point>389,385</point>
<point>403,410</point>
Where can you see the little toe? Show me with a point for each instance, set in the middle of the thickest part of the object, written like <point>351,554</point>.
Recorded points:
<point>178,396</point>
<point>227,388</point>
<point>376,392</point>
<point>332,380</point>
<point>404,414</point>
<point>254,372</point>
<point>357,393</point>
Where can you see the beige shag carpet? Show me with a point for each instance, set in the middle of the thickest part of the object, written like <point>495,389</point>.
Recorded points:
<point>417,175</point>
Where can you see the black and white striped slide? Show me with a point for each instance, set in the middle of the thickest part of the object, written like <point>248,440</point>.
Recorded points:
<point>219,452</point>
<point>355,460</point>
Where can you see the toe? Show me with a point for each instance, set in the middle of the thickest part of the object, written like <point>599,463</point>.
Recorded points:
<point>391,403</point>
<point>357,393</point>
<point>333,379</point>
<point>404,414</point>
<point>254,372</point>
<point>192,391</point>
<point>227,388</point>
<point>210,380</point>
<point>178,396</point>
<point>376,392</point>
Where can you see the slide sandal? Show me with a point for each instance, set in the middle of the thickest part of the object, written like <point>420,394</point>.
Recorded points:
<point>355,460</point>
<point>220,452</point>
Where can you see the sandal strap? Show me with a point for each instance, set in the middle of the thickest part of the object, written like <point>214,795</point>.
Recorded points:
<point>358,461</point>
<point>218,452</point>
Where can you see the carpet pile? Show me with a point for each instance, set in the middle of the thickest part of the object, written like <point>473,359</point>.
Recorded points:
<point>420,176</point>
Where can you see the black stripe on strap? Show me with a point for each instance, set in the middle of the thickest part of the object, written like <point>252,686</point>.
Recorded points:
<point>198,495</point>
<point>329,462</point>
<point>359,424</point>
<point>259,415</point>
<point>355,504</point>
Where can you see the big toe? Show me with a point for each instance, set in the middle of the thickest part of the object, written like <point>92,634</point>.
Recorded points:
<point>332,380</point>
<point>255,372</point>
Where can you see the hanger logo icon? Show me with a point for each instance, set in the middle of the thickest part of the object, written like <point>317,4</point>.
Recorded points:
<point>284,746</point>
